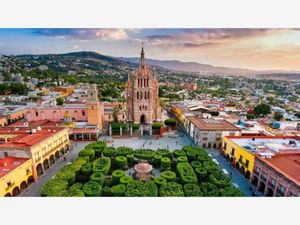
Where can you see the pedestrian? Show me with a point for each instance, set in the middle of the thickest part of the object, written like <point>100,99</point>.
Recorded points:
<point>65,159</point>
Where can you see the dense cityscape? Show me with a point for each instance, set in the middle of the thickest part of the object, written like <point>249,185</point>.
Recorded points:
<point>84,124</point>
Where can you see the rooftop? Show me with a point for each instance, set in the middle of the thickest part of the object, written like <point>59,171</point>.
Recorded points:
<point>212,124</point>
<point>23,137</point>
<point>9,163</point>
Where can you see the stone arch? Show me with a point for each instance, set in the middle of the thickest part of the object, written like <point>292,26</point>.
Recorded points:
<point>51,160</point>
<point>247,174</point>
<point>57,155</point>
<point>262,187</point>
<point>23,186</point>
<point>254,180</point>
<point>30,180</point>
<point>62,151</point>
<point>15,191</point>
<point>46,164</point>
<point>242,170</point>
<point>269,192</point>
<point>237,165</point>
<point>7,195</point>
<point>39,169</point>
<point>143,119</point>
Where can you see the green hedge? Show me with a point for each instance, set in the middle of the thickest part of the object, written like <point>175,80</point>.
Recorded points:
<point>102,165</point>
<point>98,178</point>
<point>69,176</point>
<point>137,188</point>
<point>210,167</point>
<point>165,163</point>
<point>135,126</point>
<point>186,173</point>
<point>118,190</point>
<point>146,154</point>
<point>171,189</point>
<point>168,175</point>
<point>75,193</point>
<point>156,125</point>
<point>219,179</point>
<point>106,191</point>
<point>109,152</point>
<point>182,159</point>
<point>164,153</point>
<point>126,179</point>
<point>121,162</point>
<point>77,186</point>
<point>192,190</point>
<point>156,159</point>
<point>160,180</point>
<point>130,159</point>
<point>123,151</point>
<point>116,176</point>
<point>88,152</point>
<point>202,158</point>
<point>87,169</point>
<point>177,153</point>
<point>196,164</point>
<point>116,126</point>
<point>209,189</point>
<point>108,182</point>
<point>97,147</point>
<point>170,122</point>
<point>91,189</point>
<point>53,187</point>
<point>201,173</point>
<point>191,155</point>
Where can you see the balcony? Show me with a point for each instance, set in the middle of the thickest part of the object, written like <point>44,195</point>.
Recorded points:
<point>264,178</point>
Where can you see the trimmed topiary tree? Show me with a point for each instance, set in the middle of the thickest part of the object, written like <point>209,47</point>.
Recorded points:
<point>69,176</point>
<point>171,189</point>
<point>75,193</point>
<point>87,169</point>
<point>137,188</point>
<point>168,175</point>
<point>106,191</point>
<point>146,154</point>
<point>118,190</point>
<point>88,152</point>
<point>164,153</point>
<point>130,159</point>
<point>160,180</point>
<point>156,160</point>
<point>182,159</point>
<point>109,152</point>
<point>98,178</point>
<point>165,163</point>
<point>196,164</point>
<point>126,179</point>
<point>201,173</point>
<point>186,173</point>
<point>192,190</point>
<point>177,153</point>
<point>121,162</point>
<point>53,187</point>
<point>116,176</point>
<point>91,189</point>
<point>123,151</point>
<point>102,165</point>
<point>77,186</point>
<point>209,189</point>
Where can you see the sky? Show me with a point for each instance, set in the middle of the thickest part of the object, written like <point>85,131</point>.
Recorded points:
<point>258,49</point>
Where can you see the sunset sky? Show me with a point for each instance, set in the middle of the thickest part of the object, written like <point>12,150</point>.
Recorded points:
<point>260,49</point>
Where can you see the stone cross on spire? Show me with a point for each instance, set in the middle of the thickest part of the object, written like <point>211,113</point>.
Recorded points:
<point>142,60</point>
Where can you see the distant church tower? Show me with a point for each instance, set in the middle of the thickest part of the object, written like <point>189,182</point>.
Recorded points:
<point>94,107</point>
<point>142,95</point>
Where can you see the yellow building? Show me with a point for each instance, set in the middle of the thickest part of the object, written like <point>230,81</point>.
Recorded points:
<point>15,175</point>
<point>234,149</point>
<point>43,145</point>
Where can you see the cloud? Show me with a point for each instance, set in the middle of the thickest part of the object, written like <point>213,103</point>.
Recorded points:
<point>84,34</point>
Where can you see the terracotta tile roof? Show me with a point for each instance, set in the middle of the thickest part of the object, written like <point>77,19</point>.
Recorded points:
<point>212,124</point>
<point>9,163</point>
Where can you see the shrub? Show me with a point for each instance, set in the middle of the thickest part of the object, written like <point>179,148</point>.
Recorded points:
<point>182,159</point>
<point>108,182</point>
<point>76,186</point>
<point>130,159</point>
<point>159,181</point>
<point>177,153</point>
<point>191,155</point>
<point>219,179</point>
<point>210,167</point>
<point>75,193</point>
<point>116,126</point>
<point>97,147</point>
<point>102,165</point>
<point>186,173</point>
<point>201,173</point>
<point>88,152</point>
<point>53,187</point>
<point>109,152</point>
<point>156,125</point>
<point>69,176</point>
<point>156,159</point>
<point>171,189</point>
<point>209,189</point>
<point>170,122</point>
<point>164,153</point>
<point>196,164</point>
<point>146,154</point>
<point>118,190</point>
<point>135,126</point>
<point>202,158</point>
<point>123,151</point>
<point>188,148</point>
<point>165,163</point>
<point>98,178</point>
<point>116,176</point>
<point>168,175</point>
<point>91,189</point>
<point>121,162</point>
<point>137,188</point>
<point>87,169</point>
<point>106,191</point>
<point>126,179</point>
<point>192,190</point>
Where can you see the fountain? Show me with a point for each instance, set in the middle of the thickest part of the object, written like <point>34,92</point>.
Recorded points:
<point>143,171</point>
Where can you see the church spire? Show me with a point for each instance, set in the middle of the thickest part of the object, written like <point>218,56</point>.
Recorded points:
<point>142,60</point>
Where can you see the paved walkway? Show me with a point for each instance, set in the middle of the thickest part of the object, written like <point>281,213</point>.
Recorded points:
<point>34,189</point>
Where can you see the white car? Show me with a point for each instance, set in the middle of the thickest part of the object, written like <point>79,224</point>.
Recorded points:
<point>235,185</point>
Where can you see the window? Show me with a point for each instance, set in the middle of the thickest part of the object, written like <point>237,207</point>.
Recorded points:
<point>247,163</point>
<point>241,158</point>
<point>273,181</point>
<point>36,113</point>
<point>232,151</point>
<point>257,169</point>
<point>83,112</point>
<point>282,188</point>
<point>225,145</point>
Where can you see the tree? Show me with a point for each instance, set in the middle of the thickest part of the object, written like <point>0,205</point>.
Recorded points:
<point>250,116</point>
<point>278,116</point>
<point>71,80</point>
<point>59,101</point>
<point>262,110</point>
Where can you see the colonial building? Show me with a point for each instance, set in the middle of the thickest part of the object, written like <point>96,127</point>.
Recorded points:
<point>142,95</point>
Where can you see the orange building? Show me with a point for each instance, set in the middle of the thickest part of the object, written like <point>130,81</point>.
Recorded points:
<point>67,90</point>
